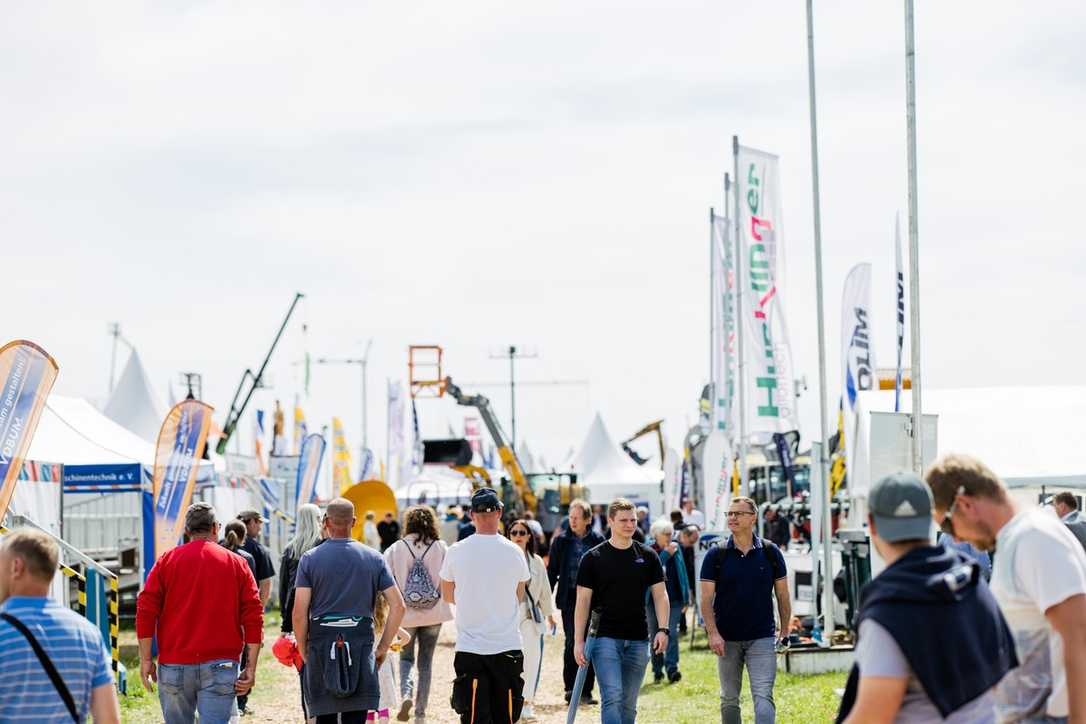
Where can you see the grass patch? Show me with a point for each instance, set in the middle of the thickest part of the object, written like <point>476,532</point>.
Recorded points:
<point>800,699</point>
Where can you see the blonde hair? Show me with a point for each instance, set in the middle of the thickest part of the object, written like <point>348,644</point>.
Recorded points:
<point>380,614</point>
<point>749,501</point>
<point>618,504</point>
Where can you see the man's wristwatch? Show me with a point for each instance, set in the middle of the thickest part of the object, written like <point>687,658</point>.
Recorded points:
<point>664,631</point>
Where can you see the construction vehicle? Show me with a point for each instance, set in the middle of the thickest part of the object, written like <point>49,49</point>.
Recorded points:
<point>652,427</point>
<point>522,496</point>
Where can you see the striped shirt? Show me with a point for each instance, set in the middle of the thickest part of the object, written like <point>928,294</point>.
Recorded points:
<point>75,647</point>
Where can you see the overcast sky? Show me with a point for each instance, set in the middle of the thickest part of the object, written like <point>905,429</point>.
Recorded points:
<point>478,174</point>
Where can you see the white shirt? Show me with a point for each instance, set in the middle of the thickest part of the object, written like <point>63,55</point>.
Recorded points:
<point>696,517</point>
<point>1038,564</point>
<point>486,570</point>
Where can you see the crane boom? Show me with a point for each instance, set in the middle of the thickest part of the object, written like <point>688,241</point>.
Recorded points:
<point>505,450</point>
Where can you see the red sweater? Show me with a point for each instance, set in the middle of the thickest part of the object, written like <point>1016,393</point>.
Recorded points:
<point>198,599</point>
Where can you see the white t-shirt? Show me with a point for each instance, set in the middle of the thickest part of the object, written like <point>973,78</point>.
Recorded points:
<point>486,570</point>
<point>696,517</point>
<point>1038,564</point>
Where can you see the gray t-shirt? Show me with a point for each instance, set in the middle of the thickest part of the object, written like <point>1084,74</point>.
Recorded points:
<point>877,654</point>
<point>345,577</point>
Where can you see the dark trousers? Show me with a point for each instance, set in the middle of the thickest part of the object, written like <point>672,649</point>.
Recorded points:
<point>346,717</point>
<point>488,688</point>
<point>569,664</point>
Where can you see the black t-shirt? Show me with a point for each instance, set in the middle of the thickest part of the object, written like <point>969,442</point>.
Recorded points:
<point>619,579</point>
<point>389,531</point>
<point>265,569</point>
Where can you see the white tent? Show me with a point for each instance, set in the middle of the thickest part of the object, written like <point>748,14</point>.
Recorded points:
<point>435,487</point>
<point>134,404</point>
<point>73,432</point>
<point>1029,436</point>
<point>609,473</point>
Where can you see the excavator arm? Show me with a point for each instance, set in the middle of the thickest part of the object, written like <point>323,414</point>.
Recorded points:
<point>505,450</point>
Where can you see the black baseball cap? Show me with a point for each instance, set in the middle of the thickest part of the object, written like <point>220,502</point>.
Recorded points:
<point>901,506</point>
<point>485,500</point>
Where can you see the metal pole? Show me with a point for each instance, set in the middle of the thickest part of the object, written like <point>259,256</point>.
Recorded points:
<point>365,398</point>
<point>712,322</point>
<point>740,292</point>
<point>823,462</point>
<point>914,244</point>
<point>513,397</point>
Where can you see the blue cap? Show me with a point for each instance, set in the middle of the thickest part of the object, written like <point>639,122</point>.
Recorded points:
<point>485,500</point>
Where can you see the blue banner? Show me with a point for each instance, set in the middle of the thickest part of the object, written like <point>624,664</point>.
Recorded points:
<point>177,457</point>
<point>309,469</point>
<point>28,373</point>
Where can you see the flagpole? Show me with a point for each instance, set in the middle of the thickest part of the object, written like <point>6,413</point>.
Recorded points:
<point>712,322</point>
<point>914,244</point>
<point>823,462</point>
<point>739,293</point>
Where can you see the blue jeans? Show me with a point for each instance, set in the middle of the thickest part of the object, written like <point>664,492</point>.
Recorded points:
<point>670,657</point>
<point>620,667</point>
<point>207,688</point>
<point>760,658</point>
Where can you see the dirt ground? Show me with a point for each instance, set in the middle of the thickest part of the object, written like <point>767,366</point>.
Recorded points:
<point>276,696</point>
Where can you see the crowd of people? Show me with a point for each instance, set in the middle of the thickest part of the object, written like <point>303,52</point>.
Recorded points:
<point>360,622</point>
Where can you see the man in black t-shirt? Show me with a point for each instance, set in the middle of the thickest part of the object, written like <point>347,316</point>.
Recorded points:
<point>265,569</point>
<point>389,531</point>
<point>614,579</point>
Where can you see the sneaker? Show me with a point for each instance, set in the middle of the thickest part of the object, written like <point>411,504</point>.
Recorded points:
<point>405,710</point>
<point>587,700</point>
<point>657,677</point>
<point>675,676</point>
<point>569,695</point>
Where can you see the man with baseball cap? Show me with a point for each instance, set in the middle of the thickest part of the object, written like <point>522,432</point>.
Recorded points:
<point>932,642</point>
<point>265,568</point>
<point>485,575</point>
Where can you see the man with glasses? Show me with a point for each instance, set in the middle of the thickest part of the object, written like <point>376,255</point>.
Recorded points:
<point>738,581</point>
<point>1039,581</point>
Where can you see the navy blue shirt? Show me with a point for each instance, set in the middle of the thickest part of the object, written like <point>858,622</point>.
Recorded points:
<point>743,607</point>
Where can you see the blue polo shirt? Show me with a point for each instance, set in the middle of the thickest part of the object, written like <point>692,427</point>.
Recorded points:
<point>743,607</point>
<point>75,647</point>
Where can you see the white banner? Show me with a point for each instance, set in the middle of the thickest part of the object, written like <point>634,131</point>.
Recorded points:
<point>395,455</point>
<point>857,356</point>
<point>899,283</point>
<point>723,327</point>
<point>769,397</point>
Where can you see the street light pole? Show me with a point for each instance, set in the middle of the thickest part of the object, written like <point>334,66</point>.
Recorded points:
<point>513,354</point>
<point>914,242</point>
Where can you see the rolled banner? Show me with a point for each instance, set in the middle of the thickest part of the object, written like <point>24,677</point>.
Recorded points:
<point>28,373</point>
<point>309,468</point>
<point>180,448</point>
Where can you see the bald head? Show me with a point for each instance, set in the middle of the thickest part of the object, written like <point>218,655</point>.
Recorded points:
<point>339,517</point>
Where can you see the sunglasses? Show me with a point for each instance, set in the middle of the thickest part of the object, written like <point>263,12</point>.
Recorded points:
<point>947,526</point>
<point>518,533</point>
<point>737,513</point>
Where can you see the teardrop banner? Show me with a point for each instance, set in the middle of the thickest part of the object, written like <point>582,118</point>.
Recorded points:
<point>28,373</point>
<point>180,448</point>
<point>309,468</point>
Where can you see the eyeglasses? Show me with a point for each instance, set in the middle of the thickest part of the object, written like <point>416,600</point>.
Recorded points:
<point>737,513</point>
<point>519,533</point>
<point>947,526</point>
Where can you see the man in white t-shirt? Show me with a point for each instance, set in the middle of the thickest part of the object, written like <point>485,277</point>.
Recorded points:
<point>485,575</point>
<point>692,516</point>
<point>1039,580</point>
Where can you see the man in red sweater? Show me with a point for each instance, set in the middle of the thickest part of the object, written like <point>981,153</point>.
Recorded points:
<point>202,603</point>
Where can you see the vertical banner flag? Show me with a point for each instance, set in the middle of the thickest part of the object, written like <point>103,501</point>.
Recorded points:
<point>723,315</point>
<point>341,458</point>
<point>395,434</point>
<point>28,373</point>
<point>473,433</point>
<point>365,465</point>
<point>857,356</point>
<point>258,443</point>
<point>180,447</point>
<point>769,398</point>
<point>300,430</point>
<point>309,468</point>
<point>412,461</point>
<point>899,278</point>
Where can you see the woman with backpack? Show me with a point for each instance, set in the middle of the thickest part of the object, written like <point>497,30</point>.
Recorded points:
<point>537,613</point>
<point>415,561</point>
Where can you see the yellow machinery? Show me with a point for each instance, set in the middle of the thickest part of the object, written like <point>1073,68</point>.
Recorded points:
<point>652,427</point>
<point>370,495</point>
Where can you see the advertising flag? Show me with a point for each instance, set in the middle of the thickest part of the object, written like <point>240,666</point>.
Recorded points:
<point>395,434</point>
<point>258,442</point>
<point>300,430</point>
<point>309,469</point>
<point>723,329</point>
<point>341,458</point>
<point>899,278</point>
<point>180,447</point>
<point>28,373</point>
<point>365,467</point>
<point>769,398</point>
<point>857,355</point>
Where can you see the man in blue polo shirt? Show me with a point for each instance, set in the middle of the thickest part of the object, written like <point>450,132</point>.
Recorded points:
<point>747,571</point>
<point>28,562</point>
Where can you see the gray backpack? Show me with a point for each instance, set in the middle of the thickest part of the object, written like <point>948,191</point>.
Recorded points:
<point>419,590</point>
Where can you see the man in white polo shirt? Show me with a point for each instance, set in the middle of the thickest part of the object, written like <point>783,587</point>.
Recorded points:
<point>485,575</point>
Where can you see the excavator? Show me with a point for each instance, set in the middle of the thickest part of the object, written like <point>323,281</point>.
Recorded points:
<point>652,427</point>
<point>523,497</point>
